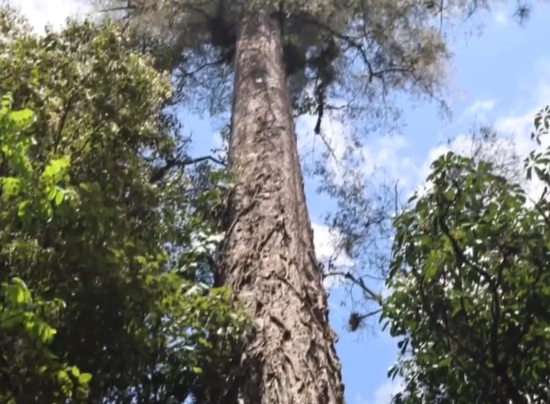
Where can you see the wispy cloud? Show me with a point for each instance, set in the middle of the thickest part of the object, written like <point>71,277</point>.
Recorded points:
<point>479,109</point>
<point>520,123</point>
<point>501,18</point>
<point>384,393</point>
<point>54,12</point>
<point>327,248</point>
<point>519,120</point>
<point>333,142</point>
<point>338,148</point>
<point>516,124</point>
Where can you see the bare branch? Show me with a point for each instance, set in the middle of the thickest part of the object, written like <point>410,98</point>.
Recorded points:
<point>159,173</point>
<point>369,293</point>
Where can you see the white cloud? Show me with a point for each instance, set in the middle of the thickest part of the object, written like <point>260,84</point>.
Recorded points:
<point>384,393</point>
<point>520,123</point>
<point>520,120</point>
<point>324,241</point>
<point>501,18</point>
<point>516,124</point>
<point>503,14</point>
<point>463,144</point>
<point>387,391</point>
<point>334,138</point>
<point>344,154</point>
<point>326,248</point>
<point>54,12</point>
<point>217,140</point>
<point>479,108</point>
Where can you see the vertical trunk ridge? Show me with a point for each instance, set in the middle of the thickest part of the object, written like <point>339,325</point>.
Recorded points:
<point>268,257</point>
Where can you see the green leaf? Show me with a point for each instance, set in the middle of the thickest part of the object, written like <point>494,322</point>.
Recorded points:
<point>10,186</point>
<point>46,333</point>
<point>84,187</point>
<point>22,119</point>
<point>63,376</point>
<point>75,371</point>
<point>21,208</point>
<point>55,167</point>
<point>429,272</point>
<point>84,378</point>
<point>59,197</point>
<point>81,392</point>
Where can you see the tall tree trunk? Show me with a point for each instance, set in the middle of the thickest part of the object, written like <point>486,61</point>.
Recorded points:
<point>268,257</point>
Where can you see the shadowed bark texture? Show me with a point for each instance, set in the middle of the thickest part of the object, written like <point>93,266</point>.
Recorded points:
<point>268,257</point>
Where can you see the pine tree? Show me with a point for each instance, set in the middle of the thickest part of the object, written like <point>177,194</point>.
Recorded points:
<point>268,256</point>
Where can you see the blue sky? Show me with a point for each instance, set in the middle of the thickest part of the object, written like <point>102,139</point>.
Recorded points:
<point>501,77</point>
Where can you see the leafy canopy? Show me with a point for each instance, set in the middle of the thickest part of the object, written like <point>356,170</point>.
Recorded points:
<point>362,50</point>
<point>470,286</point>
<point>26,334</point>
<point>98,262</point>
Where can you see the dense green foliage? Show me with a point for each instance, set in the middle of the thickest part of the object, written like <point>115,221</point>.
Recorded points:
<point>100,299</point>
<point>470,286</point>
<point>23,317</point>
<point>106,237</point>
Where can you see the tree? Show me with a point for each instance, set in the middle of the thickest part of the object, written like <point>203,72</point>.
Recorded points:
<point>103,238</point>
<point>23,317</point>
<point>267,257</point>
<point>470,286</point>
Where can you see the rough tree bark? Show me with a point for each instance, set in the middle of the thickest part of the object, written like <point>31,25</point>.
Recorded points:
<point>268,257</point>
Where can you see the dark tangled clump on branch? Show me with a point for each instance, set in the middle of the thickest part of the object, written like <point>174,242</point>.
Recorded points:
<point>223,37</point>
<point>317,63</point>
<point>323,64</point>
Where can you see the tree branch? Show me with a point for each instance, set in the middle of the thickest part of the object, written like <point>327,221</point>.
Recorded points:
<point>160,172</point>
<point>359,282</point>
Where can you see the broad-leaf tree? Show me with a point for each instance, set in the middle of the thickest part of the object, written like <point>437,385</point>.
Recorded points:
<point>104,239</point>
<point>27,363</point>
<point>470,285</point>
